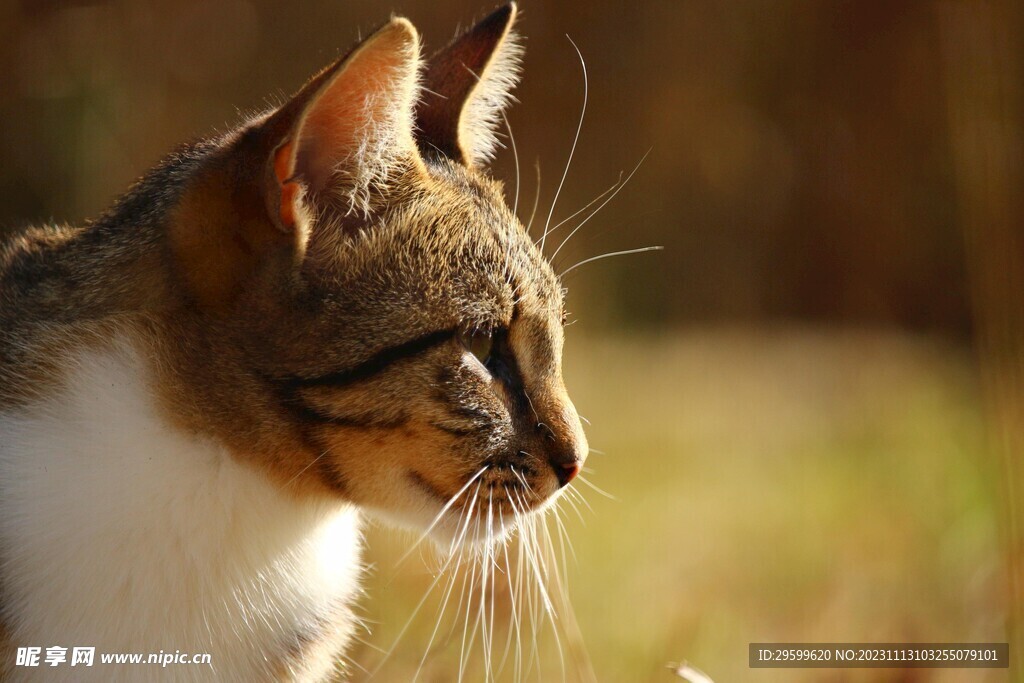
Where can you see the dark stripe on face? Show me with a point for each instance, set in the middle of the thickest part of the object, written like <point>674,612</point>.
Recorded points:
<point>427,487</point>
<point>373,365</point>
<point>457,431</point>
<point>323,464</point>
<point>311,414</point>
<point>470,413</point>
<point>334,479</point>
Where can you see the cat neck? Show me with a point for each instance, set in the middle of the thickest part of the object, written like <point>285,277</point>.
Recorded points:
<point>136,537</point>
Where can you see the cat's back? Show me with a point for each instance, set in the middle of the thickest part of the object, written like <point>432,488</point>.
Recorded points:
<point>64,286</point>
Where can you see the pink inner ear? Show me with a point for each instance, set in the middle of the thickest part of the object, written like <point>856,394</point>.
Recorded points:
<point>283,171</point>
<point>364,108</point>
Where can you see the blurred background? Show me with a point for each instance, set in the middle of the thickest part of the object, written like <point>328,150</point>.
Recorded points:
<point>808,405</point>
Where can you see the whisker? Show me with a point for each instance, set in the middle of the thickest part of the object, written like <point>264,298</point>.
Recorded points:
<point>601,206</point>
<point>494,570</point>
<point>469,605</point>
<point>536,415</point>
<point>564,534</point>
<point>466,590</point>
<point>451,583</point>
<point>303,470</point>
<point>556,583</point>
<point>525,483</point>
<point>585,207</point>
<point>468,515</point>
<point>513,617</point>
<point>608,255</point>
<point>536,197</point>
<point>520,574</point>
<point>572,150</point>
<point>440,617</point>
<point>572,497</point>
<point>596,488</point>
<point>536,562</point>
<point>533,598</point>
<point>575,508</point>
<point>487,570</point>
<point>570,627</point>
<point>458,607</point>
<point>515,158</point>
<point>416,611</point>
<point>560,528</point>
<point>571,490</point>
<point>456,542</point>
<point>366,643</point>
<point>437,519</point>
<point>538,590</point>
<point>543,600</point>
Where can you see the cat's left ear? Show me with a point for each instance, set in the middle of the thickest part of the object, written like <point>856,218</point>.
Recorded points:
<point>466,87</point>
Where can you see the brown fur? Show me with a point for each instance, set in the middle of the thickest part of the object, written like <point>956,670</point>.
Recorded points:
<point>245,284</point>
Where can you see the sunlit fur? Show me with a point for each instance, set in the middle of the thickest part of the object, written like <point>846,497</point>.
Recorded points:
<point>128,535</point>
<point>269,323</point>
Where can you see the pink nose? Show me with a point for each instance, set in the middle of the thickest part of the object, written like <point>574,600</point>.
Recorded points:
<point>567,471</point>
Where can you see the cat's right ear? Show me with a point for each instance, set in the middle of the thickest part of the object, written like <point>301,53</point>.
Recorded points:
<point>466,86</point>
<point>348,130</point>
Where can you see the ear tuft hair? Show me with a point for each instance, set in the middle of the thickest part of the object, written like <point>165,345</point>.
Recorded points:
<point>352,124</point>
<point>467,86</point>
<point>493,94</point>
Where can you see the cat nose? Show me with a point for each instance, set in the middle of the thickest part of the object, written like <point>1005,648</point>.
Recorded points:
<point>566,443</point>
<point>566,471</point>
<point>566,462</point>
<point>566,456</point>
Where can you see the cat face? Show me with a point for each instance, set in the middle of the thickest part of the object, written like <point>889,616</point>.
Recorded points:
<point>458,368</point>
<point>364,316</point>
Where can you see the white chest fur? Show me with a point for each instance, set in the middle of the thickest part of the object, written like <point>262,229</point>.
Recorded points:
<point>121,533</point>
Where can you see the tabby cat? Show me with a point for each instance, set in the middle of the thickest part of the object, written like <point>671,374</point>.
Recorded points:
<point>326,312</point>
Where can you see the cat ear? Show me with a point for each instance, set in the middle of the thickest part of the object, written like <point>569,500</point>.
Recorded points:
<point>350,128</point>
<point>465,88</point>
<point>341,139</point>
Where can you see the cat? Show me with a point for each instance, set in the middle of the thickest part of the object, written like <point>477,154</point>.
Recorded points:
<point>326,313</point>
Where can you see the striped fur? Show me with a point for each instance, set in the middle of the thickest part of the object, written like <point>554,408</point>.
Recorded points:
<point>261,338</point>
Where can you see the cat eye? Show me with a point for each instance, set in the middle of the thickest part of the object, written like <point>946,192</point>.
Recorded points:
<point>480,343</point>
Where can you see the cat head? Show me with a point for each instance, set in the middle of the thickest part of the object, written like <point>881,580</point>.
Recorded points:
<point>359,313</point>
